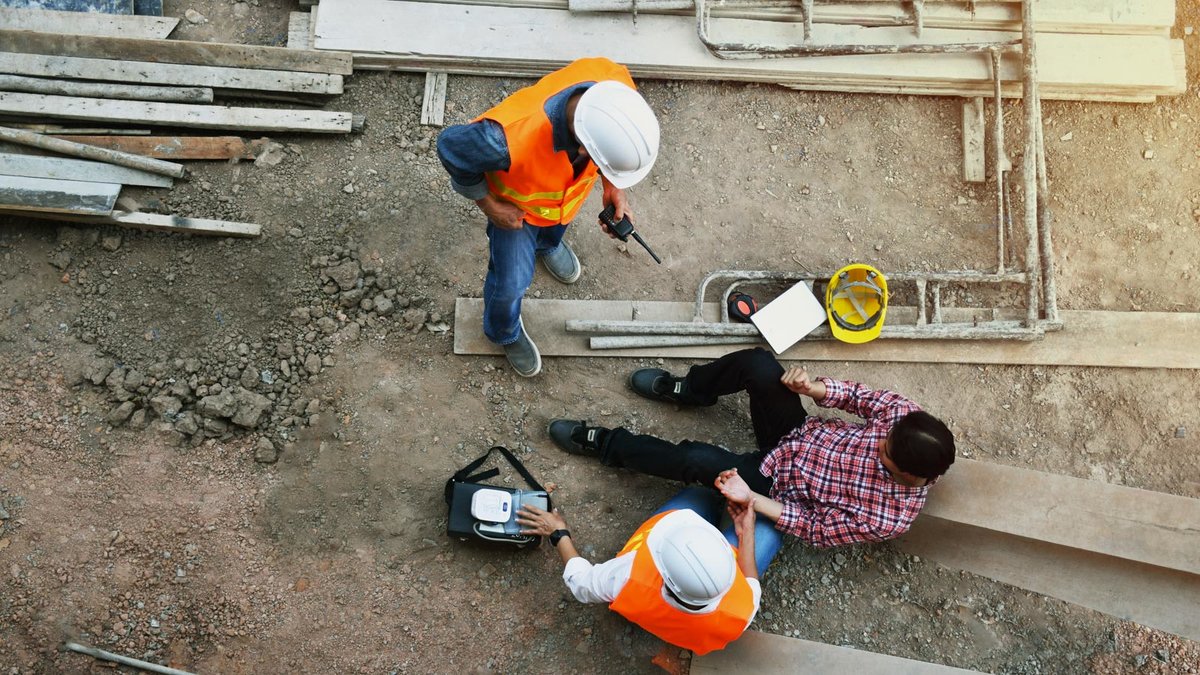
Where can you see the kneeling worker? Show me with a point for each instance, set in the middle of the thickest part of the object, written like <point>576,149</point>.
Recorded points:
<point>677,576</point>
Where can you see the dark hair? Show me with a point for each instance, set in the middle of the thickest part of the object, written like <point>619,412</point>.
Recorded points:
<point>921,444</point>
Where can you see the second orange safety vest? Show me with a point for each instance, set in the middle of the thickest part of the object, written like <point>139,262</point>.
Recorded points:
<point>539,180</point>
<point>641,601</point>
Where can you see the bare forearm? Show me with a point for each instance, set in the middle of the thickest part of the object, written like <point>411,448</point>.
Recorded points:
<point>566,549</point>
<point>746,556</point>
<point>766,507</point>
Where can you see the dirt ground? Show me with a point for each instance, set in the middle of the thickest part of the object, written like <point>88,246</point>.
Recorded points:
<point>161,531</point>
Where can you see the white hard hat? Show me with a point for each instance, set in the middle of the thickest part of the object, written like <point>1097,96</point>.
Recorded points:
<point>619,130</point>
<point>695,561</point>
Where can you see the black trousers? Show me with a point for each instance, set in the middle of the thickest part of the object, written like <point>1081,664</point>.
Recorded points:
<point>774,412</point>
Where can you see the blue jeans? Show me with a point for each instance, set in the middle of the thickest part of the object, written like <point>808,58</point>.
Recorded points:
<point>710,505</point>
<point>512,255</point>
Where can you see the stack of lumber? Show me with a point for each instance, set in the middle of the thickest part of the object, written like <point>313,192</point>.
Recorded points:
<point>118,76</point>
<point>1109,50</point>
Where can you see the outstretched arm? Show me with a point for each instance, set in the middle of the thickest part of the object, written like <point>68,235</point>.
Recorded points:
<point>534,520</point>
<point>743,526</point>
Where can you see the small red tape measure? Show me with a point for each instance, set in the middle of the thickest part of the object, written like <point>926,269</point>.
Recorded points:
<point>741,307</point>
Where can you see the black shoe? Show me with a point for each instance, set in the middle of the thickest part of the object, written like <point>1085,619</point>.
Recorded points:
<point>576,438</point>
<point>658,385</point>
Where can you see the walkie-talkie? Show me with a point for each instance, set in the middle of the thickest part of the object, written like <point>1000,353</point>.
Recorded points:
<point>623,228</point>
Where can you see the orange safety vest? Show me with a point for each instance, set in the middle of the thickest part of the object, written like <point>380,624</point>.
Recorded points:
<point>539,180</point>
<point>641,601</point>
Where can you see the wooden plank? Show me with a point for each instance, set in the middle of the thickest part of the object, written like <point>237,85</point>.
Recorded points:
<point>1090,338</point>
<point>46,195</point>
<point>72,130</point>
<point>973,130</point>
<point>102,6</point>
<point>75,149</point>
<point>134,92</point>
<point>537,40</point>
<point>33,166</point>
<point>155,221</point>
<point>1152,596</point>
<point>87,23</point>
<point>179,52</point>
<point>1148,527</point>
<point>766,654</point>
<point>176,114</point>
<point>299,31</point>
<point>178,147</point>
<point>40,65</point>
<point>433,105</point>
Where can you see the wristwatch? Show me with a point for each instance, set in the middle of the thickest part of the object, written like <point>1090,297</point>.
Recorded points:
<point>557,536</point>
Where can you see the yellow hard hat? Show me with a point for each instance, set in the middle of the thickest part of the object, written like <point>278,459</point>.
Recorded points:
<point>856,303</point>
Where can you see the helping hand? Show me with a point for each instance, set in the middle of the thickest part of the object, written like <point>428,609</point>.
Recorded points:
<point>743,518</point>
<point>733,487</point>
<point>539,521</point>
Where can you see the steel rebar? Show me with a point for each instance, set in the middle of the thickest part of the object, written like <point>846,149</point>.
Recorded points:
<point>998,158</point>
<point>124,660</point>
<point>1029,162</point>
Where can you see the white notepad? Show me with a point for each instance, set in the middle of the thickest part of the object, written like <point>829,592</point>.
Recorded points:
<point>788,318</point>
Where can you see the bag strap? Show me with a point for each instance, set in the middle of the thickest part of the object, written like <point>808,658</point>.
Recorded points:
<point>465,475</point>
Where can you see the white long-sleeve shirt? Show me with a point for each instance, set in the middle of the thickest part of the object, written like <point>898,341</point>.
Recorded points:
<point>603,582</point>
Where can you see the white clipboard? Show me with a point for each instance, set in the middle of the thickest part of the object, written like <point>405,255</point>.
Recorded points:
<point>788,318</point>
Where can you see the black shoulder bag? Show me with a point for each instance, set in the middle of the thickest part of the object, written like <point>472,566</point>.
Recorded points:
<point>461,489</point>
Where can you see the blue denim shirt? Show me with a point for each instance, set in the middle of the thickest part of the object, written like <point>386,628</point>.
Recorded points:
<point>470,150</point>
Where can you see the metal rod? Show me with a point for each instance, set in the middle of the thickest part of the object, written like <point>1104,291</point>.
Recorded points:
<point>996,330</point>
<point>642,341</point>
<point>998,158</point>
<point>1029,162</point>
<point>1049,289</point>
<point>918,10</point>
<point>937,303</point>
<point>124,660</point>
<point>921,319</point>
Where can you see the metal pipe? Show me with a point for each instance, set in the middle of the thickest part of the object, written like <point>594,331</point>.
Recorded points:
<point>643,341</point>
<point>1049,288</point>
<point>996,330</point>
<point>124,660</point>
<point>1029,161</point>
<point>998,158</point>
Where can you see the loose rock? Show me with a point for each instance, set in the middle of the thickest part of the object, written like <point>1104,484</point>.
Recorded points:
<point>265,452</point>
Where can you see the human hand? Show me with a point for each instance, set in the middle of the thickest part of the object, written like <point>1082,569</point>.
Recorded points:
<point>539,521</point>
<point>743,518</point>
<point>620,203</point>
<point>733,487</point>
<point>505,215</point>
<point>797,380</point>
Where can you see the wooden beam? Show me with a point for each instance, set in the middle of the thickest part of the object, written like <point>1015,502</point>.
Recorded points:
<point>1148,527</point>
<point>299,31</point>
<point>176,114</point>
<point>178,147</point>
<point>134,92</point>
<point>1152,596</point>
<point>46,195</point>
<point>87,23</point>
<point>433,106</point>
<point>766,654</point>
<point>972,141</point>
<point>40,65</point>
<point>34,166</point>
<point>179,52</point>
<point>535,41</point>
<point>155,221</point>
<point>74,149</point>
<point>1090,338</point>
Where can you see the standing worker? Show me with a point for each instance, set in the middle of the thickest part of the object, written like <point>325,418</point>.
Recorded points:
<point>530,163</point>
<point>677,577</point>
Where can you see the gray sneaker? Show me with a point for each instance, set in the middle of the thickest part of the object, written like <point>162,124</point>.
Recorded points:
<point>523,355</point>
<point>562,264</point>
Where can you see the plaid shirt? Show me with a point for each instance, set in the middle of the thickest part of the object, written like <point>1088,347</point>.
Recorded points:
<point>829,477</point>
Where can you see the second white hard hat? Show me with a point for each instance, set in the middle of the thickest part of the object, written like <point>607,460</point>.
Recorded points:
<point>695,562</point>
<point>619,130</point>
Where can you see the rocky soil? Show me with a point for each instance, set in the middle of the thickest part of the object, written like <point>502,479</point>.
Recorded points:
<point>228,455</point>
